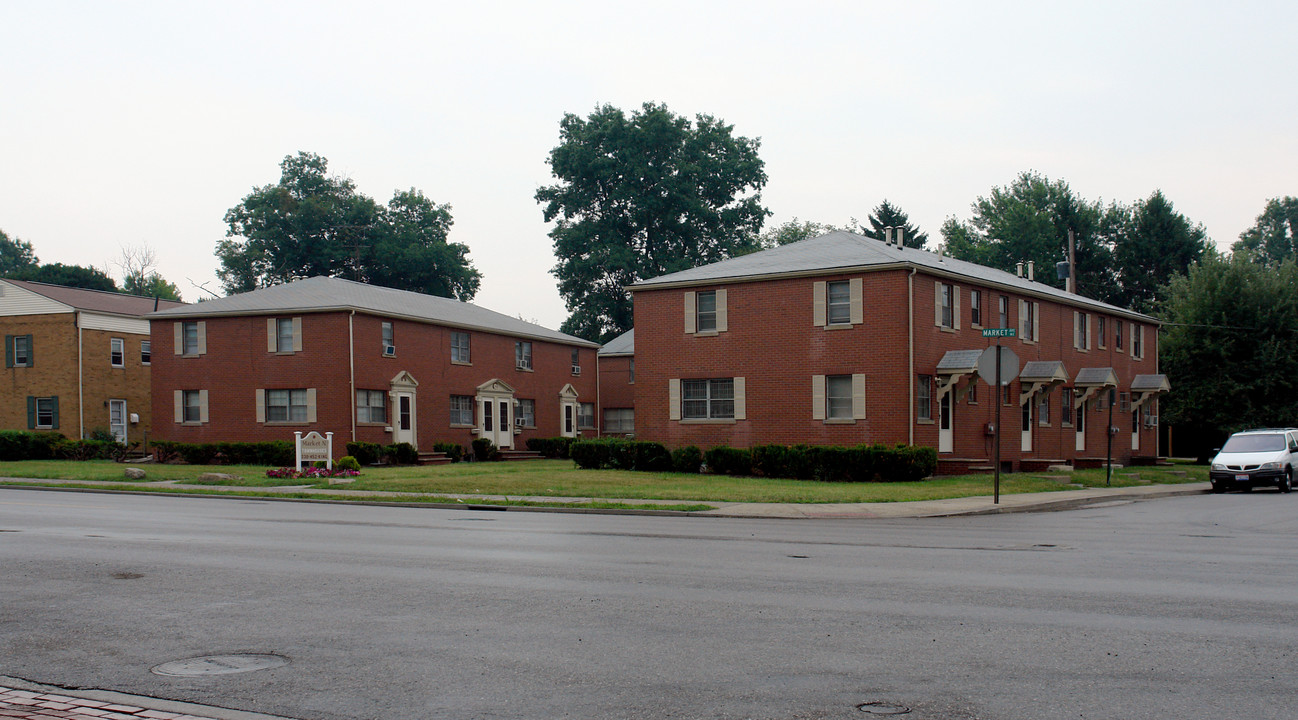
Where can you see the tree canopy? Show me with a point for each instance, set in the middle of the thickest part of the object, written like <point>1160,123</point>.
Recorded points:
<point>69,275</point>
<point>887,215</point>
<point>1228,346</point>
<point>791,231</point>
<point>139,276</point>
<point>312,223</point>
<point>1154,245</point>
<point>642,196</point>
<point>15,255</point>
<point>1274,237</point>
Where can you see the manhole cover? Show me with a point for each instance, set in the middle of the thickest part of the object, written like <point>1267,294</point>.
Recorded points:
<point>220,665</point>
<point>883,708</point>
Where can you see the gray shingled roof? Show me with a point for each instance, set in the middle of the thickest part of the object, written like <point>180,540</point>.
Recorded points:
<point>1150,383</point>
<point>956,360</point>
<point>1096,376</point>
<point>321,294</point>
<point>1043,371</point>
<point>101,301</point>
<point>623,344</point>
<point>840,251</point>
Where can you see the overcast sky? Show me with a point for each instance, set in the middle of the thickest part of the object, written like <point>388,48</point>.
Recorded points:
<point>141,123</point>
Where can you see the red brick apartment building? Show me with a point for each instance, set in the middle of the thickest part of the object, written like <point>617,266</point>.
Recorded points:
<point>841,339</point>
<point>617,385</point>
<point>76,360</point>
<point>367,363</point>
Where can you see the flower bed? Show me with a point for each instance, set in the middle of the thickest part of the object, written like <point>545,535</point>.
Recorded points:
<point>310,473</point>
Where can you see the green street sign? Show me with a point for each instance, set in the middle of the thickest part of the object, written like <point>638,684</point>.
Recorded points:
<point>998,332</point>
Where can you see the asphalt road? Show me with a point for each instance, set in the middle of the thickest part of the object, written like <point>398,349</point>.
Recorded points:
<point>1175,608</point>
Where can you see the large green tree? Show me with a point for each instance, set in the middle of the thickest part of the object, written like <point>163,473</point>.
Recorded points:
<point>641,196</point>
<point>1155,244</point>
<point>887,215</point>
<point>1228,346</point>
<point>77,276</point>
<point>791,231</point>
<point>1274,237</point>
<point>313,223</point>
<point>15,255</point>
<point>1029,220</point>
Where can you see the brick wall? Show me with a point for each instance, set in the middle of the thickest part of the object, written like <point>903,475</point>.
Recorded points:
<point>238,363</point>
<point>772,342</point>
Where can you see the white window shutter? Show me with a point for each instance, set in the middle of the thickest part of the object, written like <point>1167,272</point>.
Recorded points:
<point>1023,320</point>
<point>858,397</point>
<point>180,337</point>
<point>1142,342</point>
<point>202,337</point>
<point>741,402</point>
<point>955,306</point>
<point>202,406</point>
<point>817,397</point>
<point>179,397</point>
<point>818,305</point>
<point>261,404</point>
<point>272,335</point>
<point>310,405</point>
<point>1077,324</point>
<point>722,322</point>
<point>674,399</point>
<point>858,304</point>
<point>689,313</point>
<point>1036,321</point>
<point>937,304</point>
<point>1086,326</point>
<point>297,334</point>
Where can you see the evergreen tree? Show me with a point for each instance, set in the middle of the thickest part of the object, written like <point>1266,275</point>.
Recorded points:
<point>887,215</point>
<point>1274,237</point>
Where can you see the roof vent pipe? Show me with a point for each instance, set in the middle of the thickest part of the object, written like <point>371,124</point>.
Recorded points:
<point>1030,273</point>
<point>1018,268</point>
<point>901,236</point>
<point>887,235</point>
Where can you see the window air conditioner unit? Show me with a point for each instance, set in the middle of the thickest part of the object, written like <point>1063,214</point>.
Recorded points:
<point>1151,421</point>
<point>518,422</point>
<point>576,369</point>
<point>389,350</point>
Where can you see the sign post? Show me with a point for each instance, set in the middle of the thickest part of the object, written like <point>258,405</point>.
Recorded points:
<point>313,447</point>
<point>1001,364</point>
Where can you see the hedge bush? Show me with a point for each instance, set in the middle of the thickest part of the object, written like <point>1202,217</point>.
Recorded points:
<point>366,453</point>
<point>484,449</point>
<point>861,463</point>
<point>274,453</point>
<point>347,462</point>
<point>555,447</point>
<point>402,453</point>
<point>688,459</point>
<point>618,454</point>
<point>454,451</point>
<point>724,460</point>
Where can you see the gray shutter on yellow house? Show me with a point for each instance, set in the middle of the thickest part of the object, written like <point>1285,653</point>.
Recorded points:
<point>9,351</point>
<point>689,312</point>
<point>310,405</point>
<point>858,397</point>
<point>741,399</point>
<point>723,322</point>
<point>31,352</point>
<point>674,399</point>
<point>857,295</point>
<point>272,335</point>
<point>297,334</point>
<point>261,404</point>
<point>817,397</point>
<point>818,312</point>
<point>31,412</point>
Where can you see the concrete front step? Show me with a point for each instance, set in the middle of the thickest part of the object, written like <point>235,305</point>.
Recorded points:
<point>432,458</point>
<point>507,454</point>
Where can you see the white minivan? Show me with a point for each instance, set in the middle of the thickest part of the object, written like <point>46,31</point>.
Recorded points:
<point>1256,457</point>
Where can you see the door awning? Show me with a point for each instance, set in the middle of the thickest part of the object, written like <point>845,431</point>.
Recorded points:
<point>1040,376</point>
<point>1145,388</point>
<point>1091,381</point>
<point>954,366</point>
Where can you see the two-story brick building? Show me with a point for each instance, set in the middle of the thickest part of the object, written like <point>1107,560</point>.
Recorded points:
<point>367,363</point>
<point>841,340</point>
<point>76,360</point>
<point>617,385</point>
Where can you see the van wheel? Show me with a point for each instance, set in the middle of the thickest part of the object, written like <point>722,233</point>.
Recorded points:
<point>1286,484</point>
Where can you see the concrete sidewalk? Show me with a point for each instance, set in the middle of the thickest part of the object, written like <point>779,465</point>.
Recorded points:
<point>979,505</point>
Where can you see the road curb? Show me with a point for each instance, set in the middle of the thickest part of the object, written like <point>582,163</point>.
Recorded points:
<point>178,707</point>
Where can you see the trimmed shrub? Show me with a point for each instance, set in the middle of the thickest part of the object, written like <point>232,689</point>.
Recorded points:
<point>366,453</point>
<point>276,453</point>
<point>454,451</point>
<point>15,445</point>
<point>347,462</point>
<point>555,447</point>
<point>484,449</point>
<point>402,453</point>
<point>618,454</point>
<point>687,459</point>
<point>724,460</point>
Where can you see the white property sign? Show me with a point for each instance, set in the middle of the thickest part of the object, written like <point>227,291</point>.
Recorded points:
<point>313,447</point>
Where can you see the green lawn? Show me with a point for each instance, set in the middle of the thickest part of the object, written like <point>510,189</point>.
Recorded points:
<point>560,478</point>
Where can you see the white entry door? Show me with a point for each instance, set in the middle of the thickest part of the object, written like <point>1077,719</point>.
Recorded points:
<point>117,419</point>
<point>1026,445</point>
<point>945,440</point>
<point>496,421</point>
<point>1135,430</point>
<point>403,425</point>
<point>1081,428</point>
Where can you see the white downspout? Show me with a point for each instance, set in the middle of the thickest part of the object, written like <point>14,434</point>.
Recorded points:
<point>910,375</point>
<point>81,387</point>
<point>351,371</point>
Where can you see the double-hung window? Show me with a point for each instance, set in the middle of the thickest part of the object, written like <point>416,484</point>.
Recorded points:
<point>462,409</point>
<point>286,406</point>
<point>389,340</point>
<point>708,399</point>
<point>576,361</point>
<point>460,348</point>
<point>947,295</point>
<point>146,352</point>
<point>1066,406</point>
<point>1003,311</point>
<point>191,338</point>
<point>525,413</point>
<point>1043,409</point>
<point>619,420</point>
<point>1137,341</point>
<point>523,355</point>
<point>706,313</point>
<point>924,398</point>
<point>976,307</point>
<point>18,350</point>
<point>371,406</point>
<point>117,352</point>
<point>1117,335</point>
<point>284,334</point>
<point>586,416</point>
<point>43,413</point>
<point>838,397</point>
<point>838,302</point>
<point>1100,329</point>
<point>192,406</point>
